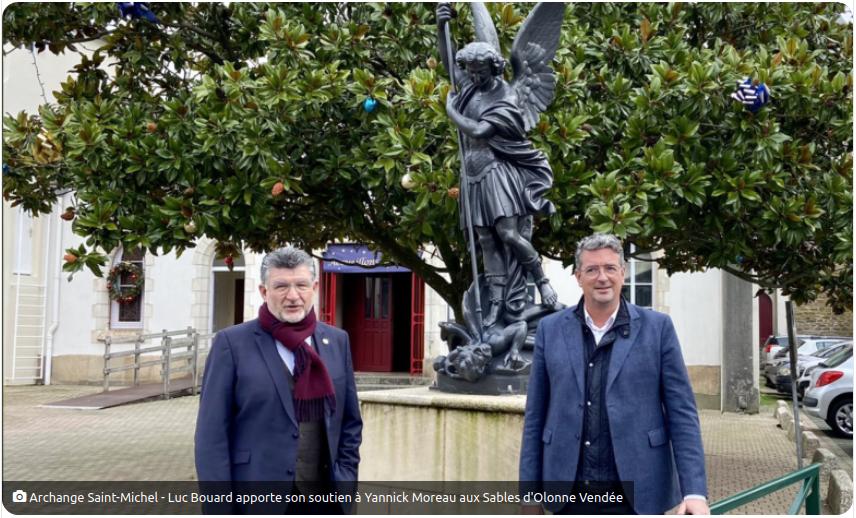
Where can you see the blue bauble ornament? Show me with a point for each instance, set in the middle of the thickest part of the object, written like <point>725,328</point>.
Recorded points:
<point>762,97</point>
<point>136,10</point>
<point>370,104</point>
<point>5,168</point>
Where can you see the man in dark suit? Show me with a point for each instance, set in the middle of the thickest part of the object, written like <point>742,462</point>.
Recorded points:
<point>279,400</point>
<point>609,401</point>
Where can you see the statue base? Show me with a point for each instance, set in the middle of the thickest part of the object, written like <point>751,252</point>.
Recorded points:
<point>493,361</point>
<point>488,385</point>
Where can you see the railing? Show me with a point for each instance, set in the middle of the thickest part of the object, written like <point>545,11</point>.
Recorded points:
<point>193,344</point>
<point>809,493</point>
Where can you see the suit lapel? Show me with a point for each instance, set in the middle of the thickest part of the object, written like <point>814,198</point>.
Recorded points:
<point>573,348</point>
<point>621,347</point>
<point>326,352</point>
<point>322,345</point>
<point>276,368</point>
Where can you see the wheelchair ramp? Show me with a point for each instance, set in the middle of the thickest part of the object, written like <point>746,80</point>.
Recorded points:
<point>123,396</point>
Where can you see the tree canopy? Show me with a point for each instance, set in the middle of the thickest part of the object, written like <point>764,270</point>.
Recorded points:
<point>248,124</point>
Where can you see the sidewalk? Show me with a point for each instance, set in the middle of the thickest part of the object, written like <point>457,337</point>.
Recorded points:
<point>154,441</point>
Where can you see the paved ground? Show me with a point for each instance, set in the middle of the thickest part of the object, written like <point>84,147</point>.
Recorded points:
<point>154,441</point>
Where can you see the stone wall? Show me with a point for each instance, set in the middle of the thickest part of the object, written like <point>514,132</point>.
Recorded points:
<point>817,318</point>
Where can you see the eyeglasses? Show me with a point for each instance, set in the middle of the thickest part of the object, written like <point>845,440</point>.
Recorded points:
<point>593,271</point>
<point>300,287</point>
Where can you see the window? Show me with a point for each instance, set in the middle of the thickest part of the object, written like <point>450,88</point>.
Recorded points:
<point>377,298</point>
<point>638,279</point>
<point>130,315</point>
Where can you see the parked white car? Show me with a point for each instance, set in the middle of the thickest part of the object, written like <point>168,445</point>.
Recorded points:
<point>806,366</point>
<point>810,346</point>
<point>830,393</point>
<point>774,344</point>
<point>777,372</point>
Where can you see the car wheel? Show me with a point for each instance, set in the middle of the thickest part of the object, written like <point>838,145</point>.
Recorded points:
<point>840,417</point>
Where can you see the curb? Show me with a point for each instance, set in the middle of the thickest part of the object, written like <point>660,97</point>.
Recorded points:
<point>835,482</point>
<point>839,498</point>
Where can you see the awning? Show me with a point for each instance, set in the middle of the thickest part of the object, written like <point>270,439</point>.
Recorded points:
<point>355,258</point>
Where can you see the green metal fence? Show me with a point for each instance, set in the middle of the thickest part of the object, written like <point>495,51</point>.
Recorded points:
<point>809,493</point>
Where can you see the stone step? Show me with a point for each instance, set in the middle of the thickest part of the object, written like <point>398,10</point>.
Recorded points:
<point>363,387</point>
<point>389,380</point>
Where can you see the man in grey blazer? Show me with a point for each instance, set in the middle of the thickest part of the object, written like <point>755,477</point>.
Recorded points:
<point>609,401</point>
<point>279,401</point>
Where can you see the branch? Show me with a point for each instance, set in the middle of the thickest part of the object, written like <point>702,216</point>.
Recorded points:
<point>409,258</point>
<point>754,279</point>
<point>213,56</point>
<point>197,30</point>
<point>84,39</point>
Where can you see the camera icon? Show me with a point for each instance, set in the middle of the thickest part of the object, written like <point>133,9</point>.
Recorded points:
<point>19,496</point>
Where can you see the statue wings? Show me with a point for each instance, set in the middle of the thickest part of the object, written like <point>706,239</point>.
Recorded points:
<point>531,54</point>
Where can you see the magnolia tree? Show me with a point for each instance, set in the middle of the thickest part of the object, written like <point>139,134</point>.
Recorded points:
<point>257,125</point>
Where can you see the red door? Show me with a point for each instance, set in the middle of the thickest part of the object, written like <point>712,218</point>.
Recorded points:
<point>329,287</point>
<point>417,323</point>
<point>371,318</point>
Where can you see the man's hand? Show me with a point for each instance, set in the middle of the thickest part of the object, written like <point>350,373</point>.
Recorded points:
<point>531,509</point>
<point>693,506</point>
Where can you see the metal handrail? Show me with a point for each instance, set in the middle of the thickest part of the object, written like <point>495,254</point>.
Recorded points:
<point>809,493</point>
<point>192,341</point>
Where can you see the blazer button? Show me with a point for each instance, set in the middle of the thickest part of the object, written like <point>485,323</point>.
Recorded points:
<point>295,435</point>
<point>290,472</point>
<point>578,436</point>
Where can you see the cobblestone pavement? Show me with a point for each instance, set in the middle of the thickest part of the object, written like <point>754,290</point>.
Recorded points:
<point>143,441</point>
<point>154,441</point>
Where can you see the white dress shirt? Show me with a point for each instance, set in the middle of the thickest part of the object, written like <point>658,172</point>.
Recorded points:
<point>288,356</point>
<point>598,332</point>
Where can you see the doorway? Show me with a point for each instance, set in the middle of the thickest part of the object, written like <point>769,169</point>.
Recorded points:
<point>377,314</point>
<point>227,294</point>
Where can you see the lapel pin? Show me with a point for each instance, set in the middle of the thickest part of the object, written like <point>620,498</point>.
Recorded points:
<point>325,341</point>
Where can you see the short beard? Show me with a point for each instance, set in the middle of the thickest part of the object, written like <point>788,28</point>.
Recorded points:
<point>292,320</point>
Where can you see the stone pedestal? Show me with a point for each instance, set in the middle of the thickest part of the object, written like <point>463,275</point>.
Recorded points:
<point>417,434</point>
<point>431,441</point>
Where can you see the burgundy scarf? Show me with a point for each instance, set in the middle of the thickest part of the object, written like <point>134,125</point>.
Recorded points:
<point>312,385</point>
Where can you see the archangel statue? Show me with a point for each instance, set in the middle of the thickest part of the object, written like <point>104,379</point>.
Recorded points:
<point>504,180</point>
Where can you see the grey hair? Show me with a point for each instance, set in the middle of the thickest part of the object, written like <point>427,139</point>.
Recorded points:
<point>597,242</point>
<point>286,257</point>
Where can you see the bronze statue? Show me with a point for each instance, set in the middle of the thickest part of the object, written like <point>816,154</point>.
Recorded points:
<point>504,179</point>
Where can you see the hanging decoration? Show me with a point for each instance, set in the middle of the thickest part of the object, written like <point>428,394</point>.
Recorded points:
<point>130,273</point>
<point>137,10</point>
<point>751,95</point>
<point>369,104</point>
